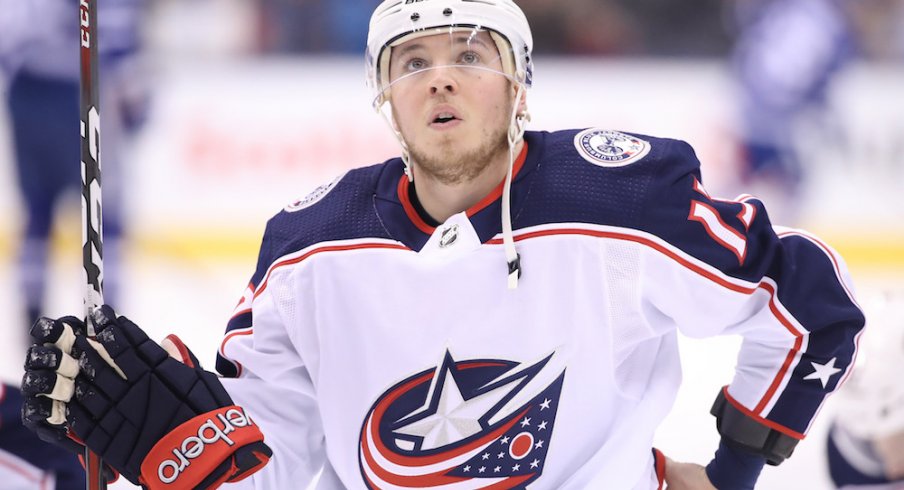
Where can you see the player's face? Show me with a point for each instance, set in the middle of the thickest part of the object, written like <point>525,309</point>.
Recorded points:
<point>451,102</point>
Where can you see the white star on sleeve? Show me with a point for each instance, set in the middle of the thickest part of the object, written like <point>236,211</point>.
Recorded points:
<point>823,372</point>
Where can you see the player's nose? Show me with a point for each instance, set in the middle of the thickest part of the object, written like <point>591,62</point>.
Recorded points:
<point>442,80</point>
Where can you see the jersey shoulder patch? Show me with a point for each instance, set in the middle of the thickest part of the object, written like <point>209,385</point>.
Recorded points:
<point>340,210</point>
<point>608,148</point>
<point>314,197</point>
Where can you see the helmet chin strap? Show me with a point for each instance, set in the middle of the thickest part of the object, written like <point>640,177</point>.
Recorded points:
<point>517,125</point>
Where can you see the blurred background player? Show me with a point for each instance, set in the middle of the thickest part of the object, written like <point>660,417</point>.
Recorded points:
<point>865,446</point>
<point>40,59</point>
<point>26,462</point>
<point>786,56</point>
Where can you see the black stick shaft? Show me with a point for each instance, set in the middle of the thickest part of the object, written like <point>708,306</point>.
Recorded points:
<point>92,216</point>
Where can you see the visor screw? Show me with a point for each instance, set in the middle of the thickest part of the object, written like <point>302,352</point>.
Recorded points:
<point>415,16</point>
<point>447,12</point>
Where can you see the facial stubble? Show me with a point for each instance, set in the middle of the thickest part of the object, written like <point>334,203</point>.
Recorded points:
<point>450,164</point>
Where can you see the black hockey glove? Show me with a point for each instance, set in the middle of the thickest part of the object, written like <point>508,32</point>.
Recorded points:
<point>48,385</point>
<point>162,423</point>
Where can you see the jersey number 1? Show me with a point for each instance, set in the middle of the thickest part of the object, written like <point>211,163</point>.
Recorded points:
<point>718,229</point>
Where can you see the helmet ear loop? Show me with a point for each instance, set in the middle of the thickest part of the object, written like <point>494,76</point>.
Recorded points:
<point>384,98</point>
<point>379,104</point>
<point>518,77</point>
<point>520,118</point>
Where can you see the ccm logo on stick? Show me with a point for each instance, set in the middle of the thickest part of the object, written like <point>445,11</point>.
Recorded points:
<point>213,431</point>
<point>86,24</point>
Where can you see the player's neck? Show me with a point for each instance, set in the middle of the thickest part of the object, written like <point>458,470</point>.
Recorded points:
<point>442,200</point>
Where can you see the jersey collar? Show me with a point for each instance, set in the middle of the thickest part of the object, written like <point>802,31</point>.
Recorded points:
<point>421,224</point>
<point>403,222</point>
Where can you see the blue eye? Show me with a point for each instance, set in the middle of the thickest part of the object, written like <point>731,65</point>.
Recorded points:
<point>470,58</point>
<point>416,64</point>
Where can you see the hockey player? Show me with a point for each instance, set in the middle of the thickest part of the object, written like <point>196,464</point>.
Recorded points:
<point>778,105</point>
<point>495,309</point>
<point>865,446</point>
<point>39,56</point>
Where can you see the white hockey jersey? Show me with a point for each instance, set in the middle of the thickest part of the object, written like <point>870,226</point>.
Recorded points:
<point>390,354</point>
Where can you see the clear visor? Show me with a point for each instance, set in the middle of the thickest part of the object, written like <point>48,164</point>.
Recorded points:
<point>462,53</point>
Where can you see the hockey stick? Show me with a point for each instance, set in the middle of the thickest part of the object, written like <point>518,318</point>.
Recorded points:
<point>92,217</point>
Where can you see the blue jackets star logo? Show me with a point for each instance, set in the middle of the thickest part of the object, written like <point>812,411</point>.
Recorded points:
<point>473,424</point>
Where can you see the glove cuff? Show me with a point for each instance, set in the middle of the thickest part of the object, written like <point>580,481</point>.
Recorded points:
<point>195,450</point>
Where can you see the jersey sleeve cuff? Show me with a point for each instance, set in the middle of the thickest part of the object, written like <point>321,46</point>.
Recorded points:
<point>734,469</point>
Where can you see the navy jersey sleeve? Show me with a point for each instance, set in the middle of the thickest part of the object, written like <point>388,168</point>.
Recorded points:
<point>241,321</point>
<point>339,211</point>
<point>733,272</point>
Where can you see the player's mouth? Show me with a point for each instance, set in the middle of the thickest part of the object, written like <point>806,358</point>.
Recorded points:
<point>444,118</point>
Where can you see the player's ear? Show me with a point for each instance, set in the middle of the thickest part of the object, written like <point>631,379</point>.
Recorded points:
<point>522,101</point>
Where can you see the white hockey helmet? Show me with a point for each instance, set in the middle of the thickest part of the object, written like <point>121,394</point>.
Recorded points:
<point>397,21</point>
